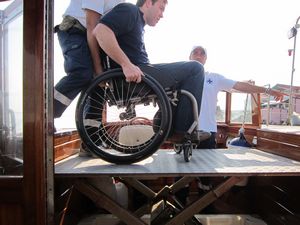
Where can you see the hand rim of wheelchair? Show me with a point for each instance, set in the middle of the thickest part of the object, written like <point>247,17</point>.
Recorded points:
<point>126,154</point>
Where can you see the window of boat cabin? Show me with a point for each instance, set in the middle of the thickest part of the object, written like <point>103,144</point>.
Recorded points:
<point>241,108</point>
<point>221,107</point>
<point>11,84</point>
<point>237,108</point>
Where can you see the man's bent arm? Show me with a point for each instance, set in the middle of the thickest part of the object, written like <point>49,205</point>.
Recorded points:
<point>108,42</point>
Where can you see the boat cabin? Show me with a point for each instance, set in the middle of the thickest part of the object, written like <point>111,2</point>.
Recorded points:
<point>43,181</point>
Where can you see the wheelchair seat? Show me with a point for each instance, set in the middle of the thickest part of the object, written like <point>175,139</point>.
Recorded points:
<point>135,134</point>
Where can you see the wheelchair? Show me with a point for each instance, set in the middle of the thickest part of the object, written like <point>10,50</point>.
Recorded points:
<point>126,122</point>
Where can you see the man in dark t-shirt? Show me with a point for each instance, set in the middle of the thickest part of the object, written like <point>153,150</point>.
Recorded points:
<point>129,32</point>
<point>120,34</point>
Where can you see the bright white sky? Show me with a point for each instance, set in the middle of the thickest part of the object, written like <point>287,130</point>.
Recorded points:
<point>245,39</point>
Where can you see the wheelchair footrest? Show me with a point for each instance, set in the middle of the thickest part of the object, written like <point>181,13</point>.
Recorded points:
<point>197,136</point>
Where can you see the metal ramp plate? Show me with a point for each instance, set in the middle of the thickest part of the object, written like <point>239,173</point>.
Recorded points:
<point>204,162</point>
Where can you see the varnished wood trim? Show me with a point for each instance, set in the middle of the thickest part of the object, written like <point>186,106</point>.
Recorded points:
<point>65,150</point>
<point>228,108</point>
<point>289,138</point>
<point>35,193</point>
<point>66,144</point>
<point>278,148</point>
<point>62,138</point>
<point>284,144</point>
<point>11,190</point>
<point>11,214</point>
<point>249,130</point>
<point>256,114</point>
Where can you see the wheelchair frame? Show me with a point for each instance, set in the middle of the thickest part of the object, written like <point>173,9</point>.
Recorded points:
<point>110,93</point>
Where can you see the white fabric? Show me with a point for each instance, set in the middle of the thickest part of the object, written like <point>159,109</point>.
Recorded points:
<point>91,123</point>
<point>76,8</point>
<point>213,83</point>
<point>62,98</point>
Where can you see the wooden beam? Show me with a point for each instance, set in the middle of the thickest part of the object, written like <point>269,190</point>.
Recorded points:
<point>34,113</point>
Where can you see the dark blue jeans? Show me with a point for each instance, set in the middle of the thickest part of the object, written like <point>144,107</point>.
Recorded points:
<point>187,76</point>
<point>78,66</point>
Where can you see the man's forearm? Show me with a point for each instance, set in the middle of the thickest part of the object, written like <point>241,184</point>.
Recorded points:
<point>248,88</point>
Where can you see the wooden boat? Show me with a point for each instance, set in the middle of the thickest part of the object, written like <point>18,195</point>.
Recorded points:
<point>44,187</point>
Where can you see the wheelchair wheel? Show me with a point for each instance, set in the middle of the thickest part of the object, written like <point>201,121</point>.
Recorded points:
<point>187,151</point>
<point>123,122</point>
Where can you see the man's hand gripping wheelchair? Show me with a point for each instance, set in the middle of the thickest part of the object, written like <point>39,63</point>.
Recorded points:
<point>125,122</point>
